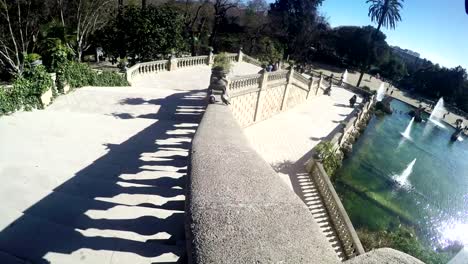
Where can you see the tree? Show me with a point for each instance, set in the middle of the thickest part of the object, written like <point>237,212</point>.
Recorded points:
<point>145,34</point>
<point>19,28</point>
<point>221,8</point>
<point>294,23</point>
<point>386,13</point>
<point>85,17</point>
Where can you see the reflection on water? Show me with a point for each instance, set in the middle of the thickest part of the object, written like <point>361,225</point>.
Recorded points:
<point>383,161</point>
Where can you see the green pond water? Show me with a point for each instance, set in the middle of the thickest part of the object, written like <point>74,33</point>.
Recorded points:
<point>422,181</point>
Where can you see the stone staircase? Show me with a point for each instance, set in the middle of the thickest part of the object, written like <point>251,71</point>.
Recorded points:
<point>313,201</point>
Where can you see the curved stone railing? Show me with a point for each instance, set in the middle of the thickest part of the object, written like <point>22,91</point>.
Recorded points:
<point>244,82</point>
<point>342,224</point>
<point>192,61</point>
<point>251,60</point>
<point>146,67</point>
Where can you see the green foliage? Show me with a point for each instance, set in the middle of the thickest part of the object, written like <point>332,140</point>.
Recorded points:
<point>330,158</point>
<point>269,51</point>
<point>26,91</point>
<point>222,61</point>
<point>144,34</point>
<point>385,12</point>
<point>80,74</point>
<point>404,239</point>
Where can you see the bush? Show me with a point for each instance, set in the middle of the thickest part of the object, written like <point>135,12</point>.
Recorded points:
<point>109,78</point>
<point>330,157</point>
<point>80,74</point>
<point>222,61</point>
<point>26,91</point>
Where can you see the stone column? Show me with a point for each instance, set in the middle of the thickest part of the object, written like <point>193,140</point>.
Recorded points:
<point>210,57</point>
<point>239,55</point>
<point>173,63</point>
<point>288,86</point>
<point>319,84</point>
<point>261,94</point>
<point>311,81</point>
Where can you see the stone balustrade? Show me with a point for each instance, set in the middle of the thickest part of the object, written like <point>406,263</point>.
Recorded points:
<point>192,61</point>
<point>257,97</point>
<point>342,224</point>
<point>251,60</point>
<point>146,68</point>
<point>243,82</point>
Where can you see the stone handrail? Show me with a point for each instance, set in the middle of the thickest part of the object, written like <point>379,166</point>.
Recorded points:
<point>342,224</point>
<point>244,81</point>
<point>278,75</point>
<point>232,217</point>
<point>146,67</point>
<point>251,60</point>
<point>192,61</point>
<point>233,57</point>
<point>299,77</point>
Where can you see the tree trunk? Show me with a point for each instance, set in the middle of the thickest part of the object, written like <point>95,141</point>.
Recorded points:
<point>360,77</point>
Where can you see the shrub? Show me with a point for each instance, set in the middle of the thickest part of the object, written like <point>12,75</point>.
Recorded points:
<point>109,78</point>
<point>26,91</point>
<point>80,74</point>
<point>330,157</point>
<point>222,61</point>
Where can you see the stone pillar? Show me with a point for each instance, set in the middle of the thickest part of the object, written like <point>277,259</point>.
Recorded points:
<point>261,94</point>
<point>319,84</point>
<point>210,57</point>
<point>239,55</point>
<point>172,63</point>
<point>311,81</point>
<point>288,86</point>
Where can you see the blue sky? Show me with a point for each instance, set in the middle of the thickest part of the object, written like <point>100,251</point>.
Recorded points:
<point>437,29</point>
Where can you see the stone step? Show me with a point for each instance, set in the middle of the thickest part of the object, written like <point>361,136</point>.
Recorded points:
<point>37,240</point>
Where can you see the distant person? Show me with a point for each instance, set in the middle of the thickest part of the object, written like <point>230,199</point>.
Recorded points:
<point>391,92</point>
<point>269,67</point>
<point>352,101</point>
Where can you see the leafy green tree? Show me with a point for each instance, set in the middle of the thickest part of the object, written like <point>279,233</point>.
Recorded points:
<point>145,34</point>
<point>394,69</point>
<point>386,13</point>
<point>294,24</point>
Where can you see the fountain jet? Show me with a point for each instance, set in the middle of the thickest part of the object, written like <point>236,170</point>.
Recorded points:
<point>438,113</point>
<point>345,76</point>
<point>407,133</point>
<point>402,179</point>
<point>381,92</point>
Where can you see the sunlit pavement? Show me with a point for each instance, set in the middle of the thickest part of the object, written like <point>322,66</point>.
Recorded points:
<point>99,176</point>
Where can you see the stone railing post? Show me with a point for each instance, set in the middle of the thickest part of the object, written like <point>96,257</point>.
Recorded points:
<point>311,82</point>
<point>261,94</point>
<point>210,59</point>
<point>288,87</point>
<point>172,63</point>
<point>342,80</point>
<point>319,84</point>
<point>240,55</point>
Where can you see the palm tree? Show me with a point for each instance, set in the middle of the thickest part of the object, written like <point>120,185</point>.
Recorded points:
<point>386,13</point>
